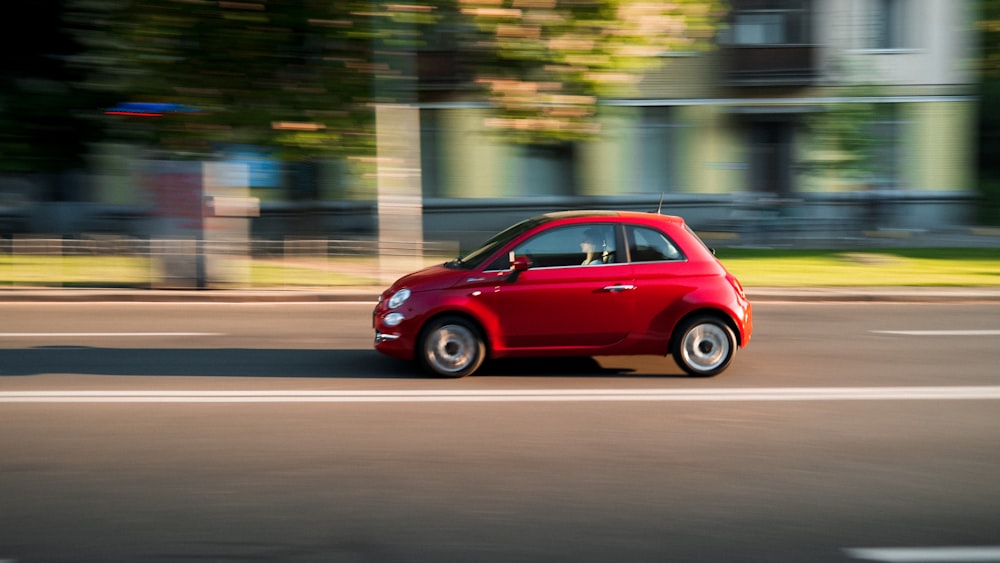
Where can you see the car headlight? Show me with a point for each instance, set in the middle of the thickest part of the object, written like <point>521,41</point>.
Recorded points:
<point>399,298</point>
<point>393,319</point>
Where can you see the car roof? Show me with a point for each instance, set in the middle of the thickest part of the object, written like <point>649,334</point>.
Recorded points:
<point>637,215</point>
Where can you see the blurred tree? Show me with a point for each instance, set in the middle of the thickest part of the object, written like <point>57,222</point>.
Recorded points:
<point>545,64</point>
<point>46,110</point>
<point>988,28</point>
<point>294,75</point>
<point>843,136</point>
<point>300,74</point>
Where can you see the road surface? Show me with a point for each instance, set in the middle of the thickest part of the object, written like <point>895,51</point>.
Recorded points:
<point>272,432</point>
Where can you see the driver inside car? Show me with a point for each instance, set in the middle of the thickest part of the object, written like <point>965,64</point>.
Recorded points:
<point>595,247</point>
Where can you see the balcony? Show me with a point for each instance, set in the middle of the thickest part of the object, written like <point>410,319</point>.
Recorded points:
<point>769,65</point>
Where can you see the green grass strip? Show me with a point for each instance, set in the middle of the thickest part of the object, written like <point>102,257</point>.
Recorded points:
<point>938,267</point>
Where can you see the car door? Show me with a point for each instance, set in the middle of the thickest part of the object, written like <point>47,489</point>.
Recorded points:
<point>575,294</point>
<point>662,277</point>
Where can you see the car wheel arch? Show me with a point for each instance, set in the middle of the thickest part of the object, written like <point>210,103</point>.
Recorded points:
<point>711,312</point>
<point>704,344</point>
<point>480,327</point>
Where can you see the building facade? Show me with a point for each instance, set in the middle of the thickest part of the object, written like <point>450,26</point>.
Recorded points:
<point>830,117</point>
<point>819,119</point>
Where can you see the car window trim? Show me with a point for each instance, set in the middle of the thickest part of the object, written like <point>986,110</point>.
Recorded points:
<point>616,227</point>
<point>630,240</point>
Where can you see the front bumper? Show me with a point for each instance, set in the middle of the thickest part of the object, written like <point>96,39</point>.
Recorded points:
<point>381,337</point>
<point>391,340</point>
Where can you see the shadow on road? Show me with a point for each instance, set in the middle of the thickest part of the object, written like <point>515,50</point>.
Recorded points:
<point>577,367</point>
<point>235,362</point>
<point>216,362</point>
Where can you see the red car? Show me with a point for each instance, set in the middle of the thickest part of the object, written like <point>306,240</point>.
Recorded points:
<point>575,283</point>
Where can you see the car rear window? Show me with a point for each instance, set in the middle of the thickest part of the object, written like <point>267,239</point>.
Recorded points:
<point>650,245</point>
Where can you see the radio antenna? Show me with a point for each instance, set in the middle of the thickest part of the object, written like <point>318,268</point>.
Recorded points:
<point>659,208</point>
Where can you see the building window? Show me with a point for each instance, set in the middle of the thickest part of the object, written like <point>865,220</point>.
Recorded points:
<point>885,160</point>
<point>544,170</point>
<point>886,25</point>
<point>654,166</point>
<point>431,154</point>
<point>759,29</point>
<point>775,22</point>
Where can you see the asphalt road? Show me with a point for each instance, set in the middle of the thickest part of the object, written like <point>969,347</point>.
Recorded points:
<point>272,432</point>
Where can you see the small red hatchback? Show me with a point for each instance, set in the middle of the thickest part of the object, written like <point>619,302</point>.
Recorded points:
<point>575,283</point>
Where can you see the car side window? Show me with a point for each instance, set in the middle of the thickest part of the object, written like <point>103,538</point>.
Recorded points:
<point>576,245</point>
<point>650,245</point>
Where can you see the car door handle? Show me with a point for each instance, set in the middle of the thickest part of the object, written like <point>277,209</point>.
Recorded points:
<point>617,288</point>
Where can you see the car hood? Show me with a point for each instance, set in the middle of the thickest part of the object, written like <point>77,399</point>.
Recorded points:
<point>430,279</point>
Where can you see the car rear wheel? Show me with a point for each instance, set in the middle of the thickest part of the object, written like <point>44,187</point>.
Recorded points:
<point>704,346</point>
<point>452,347</point>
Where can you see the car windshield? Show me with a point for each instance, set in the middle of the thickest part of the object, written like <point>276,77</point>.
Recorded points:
<point>475,258</point>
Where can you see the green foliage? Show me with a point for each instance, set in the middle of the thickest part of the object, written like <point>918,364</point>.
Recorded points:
<point>293,75</point>
<point>46,108</point>
<point>300,76</point>
<point>988,27</point>
<point>549,62</point>
<point>988,210</point>
<point>843,135</point>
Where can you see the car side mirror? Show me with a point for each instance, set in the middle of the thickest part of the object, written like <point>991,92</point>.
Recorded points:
<point>518,265</point>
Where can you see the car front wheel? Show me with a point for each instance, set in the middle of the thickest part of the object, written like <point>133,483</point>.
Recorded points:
<point>704,346</point>
<point>451,347</point>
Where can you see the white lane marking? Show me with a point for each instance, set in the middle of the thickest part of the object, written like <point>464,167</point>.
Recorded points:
<point>940,332</point>
<point>100,334</point>
<point>956,554</point>
<point>514,395</point>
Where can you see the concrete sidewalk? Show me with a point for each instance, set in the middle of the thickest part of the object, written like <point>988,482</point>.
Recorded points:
<point>370,295</point>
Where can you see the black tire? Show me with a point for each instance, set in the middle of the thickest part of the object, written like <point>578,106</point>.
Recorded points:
<point>451,347</point>
<point>703,346</point>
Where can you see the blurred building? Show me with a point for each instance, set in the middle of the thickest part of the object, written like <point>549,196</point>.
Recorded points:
<point>811,118</point>
<point>737,139</point>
